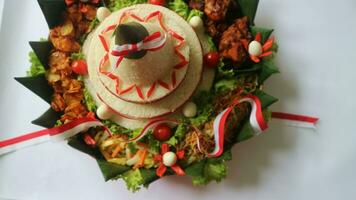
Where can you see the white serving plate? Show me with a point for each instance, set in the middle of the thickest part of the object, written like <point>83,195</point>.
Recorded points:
<point>317,60</point>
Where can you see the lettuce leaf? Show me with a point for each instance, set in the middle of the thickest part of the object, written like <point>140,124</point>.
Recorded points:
<point>225,85</point>
<point>36,67</point>
<point>115,5</point>
<point>210,169</point>
<point>89,101</point>
<point>195,12</point>
<point>115,128</point>
<point>77,56</point>
<point>133,180</point>
<point>211,43</point>
<point>178,135</point>
<point>180,7</point>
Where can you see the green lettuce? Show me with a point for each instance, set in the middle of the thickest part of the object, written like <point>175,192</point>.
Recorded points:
<point>195,12</point>
<point>178,135</point>
<point>115,5</point>
<point>89,101</point>
<point>152,142</point>
<point>133,180</point>
<point>211,43</point>
<point>115,128</point>
<point>77,56</point>
<point>36,67</point>
<point>180,7</point>
<point>225,85</point>
<point>210,169</point>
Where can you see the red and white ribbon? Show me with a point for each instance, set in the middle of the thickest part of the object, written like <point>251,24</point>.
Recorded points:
<point>296,120</point>
<point>257,123</point>
<point>59,133</point>
<point>152,42</point>
<point>152,125</point>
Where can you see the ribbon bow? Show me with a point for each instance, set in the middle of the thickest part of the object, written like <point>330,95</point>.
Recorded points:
<point>152,42</point>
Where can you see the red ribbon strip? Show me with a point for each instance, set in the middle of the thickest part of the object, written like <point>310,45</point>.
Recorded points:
<point>294,117</point>
<point>57,133</point>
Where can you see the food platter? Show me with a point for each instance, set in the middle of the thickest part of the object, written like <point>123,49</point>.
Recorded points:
<point>265,142</point>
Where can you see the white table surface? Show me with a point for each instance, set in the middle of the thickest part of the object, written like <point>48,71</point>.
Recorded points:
<point>317,58</point>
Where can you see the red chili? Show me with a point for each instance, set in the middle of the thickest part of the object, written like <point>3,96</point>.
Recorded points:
<point>157,2</point>
<point>89,140</point>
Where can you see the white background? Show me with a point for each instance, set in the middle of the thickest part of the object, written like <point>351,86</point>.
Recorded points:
<point>317,59</point>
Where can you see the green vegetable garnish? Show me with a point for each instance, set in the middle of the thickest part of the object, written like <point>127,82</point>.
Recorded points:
<point>180,7</point>
<point>115,5</point>
<point>210,169</point>
<point>133,180</point>
<point>36,67</point>
<point>178,135</point>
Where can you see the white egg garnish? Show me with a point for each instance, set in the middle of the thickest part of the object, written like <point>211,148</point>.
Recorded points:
<point>103,112</point>
<point>102,13</point>
<point>255,48</point>
<point>197,23</point>
<point>169,159</point>
<point>190,109</point>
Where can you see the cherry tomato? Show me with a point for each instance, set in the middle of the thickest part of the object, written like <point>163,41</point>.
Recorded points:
<point>162,132</point>
<point>157,2</point>
<point>80,67</point>
<point>211,59</point>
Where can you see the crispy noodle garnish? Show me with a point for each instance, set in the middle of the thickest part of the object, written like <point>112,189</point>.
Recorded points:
<point>197,144</point>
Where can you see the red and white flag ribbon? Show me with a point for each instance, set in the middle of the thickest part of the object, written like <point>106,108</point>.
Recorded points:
<point>257,122</point>
<point>296,120</point>
<point>59,133</point>
<point>152,42</point>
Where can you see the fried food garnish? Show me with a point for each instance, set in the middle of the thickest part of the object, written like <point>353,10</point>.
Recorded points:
<point>216,9</point>
<point>230,45</point>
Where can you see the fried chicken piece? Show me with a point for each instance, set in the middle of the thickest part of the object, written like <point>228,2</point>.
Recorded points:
<point>59,61</point>
<point>90,13</point>
<point>215,29</point>
<point>197,4</point>
<point>230,45</point>
<point>74,111</point>
<point>74,14</point>
<point>60,67</point>
<point>68,91</point>
<point>58,103</point>
<point>64,43</point>
<point>216,9</point>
